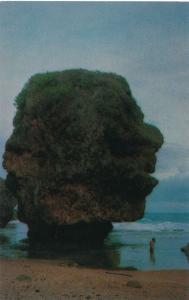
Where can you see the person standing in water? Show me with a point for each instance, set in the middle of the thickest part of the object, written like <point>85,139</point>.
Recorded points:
<point>152,245</point>
<point>152,249</point>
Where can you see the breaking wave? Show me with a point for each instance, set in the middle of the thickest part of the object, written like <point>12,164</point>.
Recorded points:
<point>155,227</point>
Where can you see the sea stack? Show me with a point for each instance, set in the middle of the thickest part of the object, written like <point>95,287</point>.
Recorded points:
<point>80,155</point>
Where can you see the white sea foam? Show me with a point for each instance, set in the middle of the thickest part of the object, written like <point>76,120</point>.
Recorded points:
<point>156,227</point>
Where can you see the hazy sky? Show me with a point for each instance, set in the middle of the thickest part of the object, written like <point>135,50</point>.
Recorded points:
<point>148,43</point>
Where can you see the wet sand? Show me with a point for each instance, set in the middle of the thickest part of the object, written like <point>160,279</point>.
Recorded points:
<point>49,280</point>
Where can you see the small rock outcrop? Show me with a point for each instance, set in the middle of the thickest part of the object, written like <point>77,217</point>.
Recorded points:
<point>7,204</point>
<point>185,249</point>
<point>80,154</point>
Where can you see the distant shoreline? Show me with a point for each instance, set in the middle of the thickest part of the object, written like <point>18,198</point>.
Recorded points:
<point>47,279</point>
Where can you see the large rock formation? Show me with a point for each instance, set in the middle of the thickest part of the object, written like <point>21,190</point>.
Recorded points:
<point>7,204</point>
<point>80,153</point>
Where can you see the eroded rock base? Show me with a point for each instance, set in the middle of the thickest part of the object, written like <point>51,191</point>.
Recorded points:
<point>79,234</point>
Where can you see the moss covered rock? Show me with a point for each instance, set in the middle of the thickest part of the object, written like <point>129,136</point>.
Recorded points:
<point>80,150</point>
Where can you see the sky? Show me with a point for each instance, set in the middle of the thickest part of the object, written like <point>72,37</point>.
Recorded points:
<point>147,43</point>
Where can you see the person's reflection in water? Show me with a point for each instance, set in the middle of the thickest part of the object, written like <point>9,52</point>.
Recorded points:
<point>152,250</point>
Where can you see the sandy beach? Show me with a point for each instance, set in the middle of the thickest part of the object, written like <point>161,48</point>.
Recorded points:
<point>43,279</point>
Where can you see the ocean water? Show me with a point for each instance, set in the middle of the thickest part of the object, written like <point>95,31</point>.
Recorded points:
<point>127,246</point>
<point>171,232</point>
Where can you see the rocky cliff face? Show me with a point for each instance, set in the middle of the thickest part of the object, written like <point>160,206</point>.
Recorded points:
<point>80,152</point>
<point>7,204</point>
